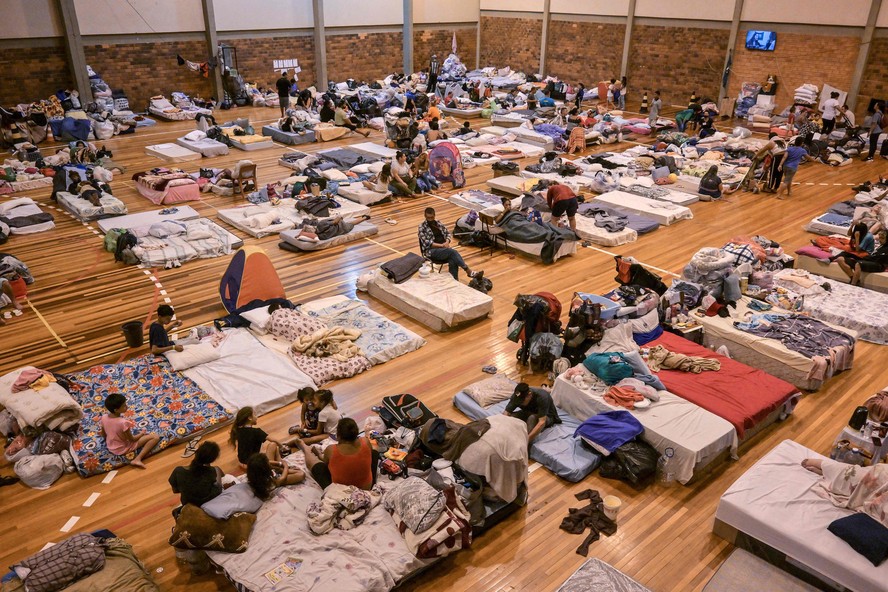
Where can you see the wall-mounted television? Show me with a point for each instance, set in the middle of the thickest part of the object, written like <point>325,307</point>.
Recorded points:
<point>761,40</point>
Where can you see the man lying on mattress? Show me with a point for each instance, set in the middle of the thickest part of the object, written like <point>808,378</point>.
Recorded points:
<point>88,189</point>
<point>316,230</point>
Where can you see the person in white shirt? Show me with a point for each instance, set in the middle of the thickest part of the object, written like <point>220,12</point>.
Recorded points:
<point>830,106</point>
<point>848,116</point>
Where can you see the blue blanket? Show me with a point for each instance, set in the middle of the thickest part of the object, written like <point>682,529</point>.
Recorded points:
<point>610,430</point>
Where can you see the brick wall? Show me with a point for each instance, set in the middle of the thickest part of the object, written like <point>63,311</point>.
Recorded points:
<point>32,74</point>
<point>513,42</point>
<point>677,61</point>
<point>875,77</point>
<point>364,56</point>
<point>797,59</point>
<point>572,57</point>
<point>439,41</point>
<point>143,70</point>
<point>254,58</point>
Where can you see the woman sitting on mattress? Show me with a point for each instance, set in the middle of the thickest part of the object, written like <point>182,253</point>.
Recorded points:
<point>316,230</point>
<point>380,182</point>
<point>876,262</point>
<point>352,461</point>
<point>711,186</point>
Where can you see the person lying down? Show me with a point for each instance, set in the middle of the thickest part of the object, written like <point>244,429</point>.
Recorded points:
<point>316,230</point>
<point>861,489</point>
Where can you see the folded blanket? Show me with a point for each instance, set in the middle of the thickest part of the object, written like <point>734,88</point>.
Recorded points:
<point>333,342</point>
<point>660,357</point>
<point>402,269</point>
<point>343,507</point>
<point>609,430</point>
<point>50,407</point>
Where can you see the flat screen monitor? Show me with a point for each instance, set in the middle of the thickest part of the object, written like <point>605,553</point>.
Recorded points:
<point>761,40</point>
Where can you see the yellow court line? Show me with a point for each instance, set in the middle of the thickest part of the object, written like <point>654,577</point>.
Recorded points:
<point>46,324</point>
<point>382,245</point>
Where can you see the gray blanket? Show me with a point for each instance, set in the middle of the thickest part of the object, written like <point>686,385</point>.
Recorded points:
<point>610,221</point>
<point>402,269</point>
<point>520,230</point>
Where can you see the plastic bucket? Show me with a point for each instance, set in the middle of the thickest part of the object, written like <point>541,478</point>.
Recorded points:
<point>611,506</point>
<point>134,333</point>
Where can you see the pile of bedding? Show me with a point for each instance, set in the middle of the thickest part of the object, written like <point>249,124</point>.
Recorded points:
<point>16,175</point>
<point>23,216</point>
<point>85,209</point>
<point>160,107</point>
<point>177,241</point>
<point>37,401</point>
<point>160,401</point>
<point>167,186</point>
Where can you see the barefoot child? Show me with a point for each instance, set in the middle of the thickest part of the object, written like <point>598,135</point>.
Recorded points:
<point>264,475</point>
<point>158,336</point>
<point>328,418</point>
<point>249,440</point>
<point>118,435</point>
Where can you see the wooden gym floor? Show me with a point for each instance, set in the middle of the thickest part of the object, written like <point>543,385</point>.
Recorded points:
<point>81,297</point>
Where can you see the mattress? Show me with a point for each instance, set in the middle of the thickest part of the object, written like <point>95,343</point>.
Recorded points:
<point>511,184</point>
<point>237,217</point>
<point>647,188</point>
<point>697,436</point>
<point>529,150</point>
<point>174,116</point>
<point>769,355</point>
<point>372,556</point>
<point>251,142</point>
<point>357,193</point>
<point>170,195</point>
<point>529,136</point>
<point>746,397</point>
<point>84,210</point>
<point>555,448</point>
<point>147,218</point>
<point>469,112</point>
<point>292,243</point>
<point>372,149</point>
<point>871,281</point>
<point>663,212</point>
<point>178,249</point>
<point>829,223</point>
<point>381,339</point>
<point>448,302</point>
<point>636,222</point>
<point>248,374</point>
<point>775,502</point>
<point>207,147</point>
<point>588,231</point>
<point>845,306</point>
<point>577,183</point>
<point>172,152</point>
<point>494,129</point>
<point>17,210</point>
<point>474,199</point>
<point>327,133</point>
<point>595,575</point>
<point>289,138</point>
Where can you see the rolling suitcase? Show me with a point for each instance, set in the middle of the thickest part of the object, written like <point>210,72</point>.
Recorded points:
<point>404,410</point>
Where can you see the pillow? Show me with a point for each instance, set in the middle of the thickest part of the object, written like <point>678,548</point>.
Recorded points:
<point>165,229</point>
<point>812,251</point>
<point>646,323</point>
<point>417,503</point>
<point>237,498</point>
<point>197,231</point>
<point>290,324</point>
<point>192,355</point>
<point>195,529</point>
<point>361,169</point>
<point>195,136</point>
<point>616,339</point>
<point>334,175</point>
<point>180,182</point>
<point>491,391</point>
<point>62,564</point>
<point>258,319</point>
<point>866,535</point>
<point>375,167</point>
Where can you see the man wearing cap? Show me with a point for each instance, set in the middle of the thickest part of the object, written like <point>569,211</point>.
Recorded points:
<point>533,406</point>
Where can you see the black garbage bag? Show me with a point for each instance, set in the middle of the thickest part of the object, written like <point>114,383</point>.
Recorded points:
<point>634,462</point>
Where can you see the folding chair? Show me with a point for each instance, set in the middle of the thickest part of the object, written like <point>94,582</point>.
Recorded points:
<point>246,173</point>
<point>493,232</point>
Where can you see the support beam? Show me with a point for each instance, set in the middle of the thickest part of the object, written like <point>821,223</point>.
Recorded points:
<point>478,45</point>
<point>74,49</point>
<point>544,42</point>
<point>866,43</point>
<point>209,14</point>
<point>320,45</point>
<point>408,37</point>
<point>627,39</point>
<point>732,41</point>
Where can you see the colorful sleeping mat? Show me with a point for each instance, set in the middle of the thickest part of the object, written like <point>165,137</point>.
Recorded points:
<point>160,400</point>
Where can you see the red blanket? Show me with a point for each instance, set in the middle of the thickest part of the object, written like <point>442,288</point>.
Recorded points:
<point>737,393</point>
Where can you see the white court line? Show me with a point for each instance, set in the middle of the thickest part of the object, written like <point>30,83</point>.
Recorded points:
<point>47,546</point>
<point>91,500</point>
<point>533,467</point>
<point>109,476</point>
<point>167,300</point>
<point>70,523</point>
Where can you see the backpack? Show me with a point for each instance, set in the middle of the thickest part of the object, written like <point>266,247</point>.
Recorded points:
<point>127,240</point>
<point>404,410</point>
<point>481,283</point>
<point>111,239</point>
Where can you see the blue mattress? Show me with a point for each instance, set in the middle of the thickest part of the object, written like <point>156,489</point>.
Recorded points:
<point>289,138</point>
<point>555,448</point>
<point>636,222</point>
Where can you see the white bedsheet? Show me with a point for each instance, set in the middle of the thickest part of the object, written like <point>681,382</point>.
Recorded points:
<point>587,231</point>
<point>663,212</point>
<point>147,218</point>
<point>247,373</point>
<point>774,502</point>
<point>22,207</point>
<point>696,435</point>
<point>172,152</point>
<point>439,295</point>
<point>373,149</point>
<point>207,147</point>
<point>84,210</point>
<point>357,193</point>
<point>288,214</point>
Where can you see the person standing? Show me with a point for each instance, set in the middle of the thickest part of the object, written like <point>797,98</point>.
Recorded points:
<point>562,200</point>
<point>581,90</point>
<point>283,88</point>
<point>434,68</point>
<point>622,101</point>
<point>875,131</point>
<point>830,107</point>
<point>654,113</point>
<point>795,155</point>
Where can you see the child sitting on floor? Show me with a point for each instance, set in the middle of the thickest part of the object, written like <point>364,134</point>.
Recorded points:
<point>249,440</point>
<point>118,434</point>
<point>264,476</point>
<point>328,418</point>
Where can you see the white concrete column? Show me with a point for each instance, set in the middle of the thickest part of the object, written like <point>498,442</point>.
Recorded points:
<point>408,37</point>
<point>544,42</point>
<point>732,41</point>
<point>320,45</point>
<point>627,38</point>
<point>866,43</point>
<point>209,14</point>
<point>74,49</point>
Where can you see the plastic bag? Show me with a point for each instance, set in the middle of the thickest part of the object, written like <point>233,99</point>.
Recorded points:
<point>741,132</point>
<point>40,471</point>
<point>634,462</point>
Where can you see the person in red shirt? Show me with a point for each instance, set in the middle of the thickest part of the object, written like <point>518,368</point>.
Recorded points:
<point>562,200</point>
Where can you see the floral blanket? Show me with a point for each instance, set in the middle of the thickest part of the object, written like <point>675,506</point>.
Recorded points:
<point>159,400</point>
<point>862,489</point>
<point>343,507</point>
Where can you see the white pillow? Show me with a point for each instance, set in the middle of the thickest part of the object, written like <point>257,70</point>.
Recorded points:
<point>481,140</point>
<point>334,175</point>
<point>646,323</point>
<point>258,319</point>
<point>376,167</point>
<point>195,136</point>
<point>491,391</point>
<point>198,231</point>
<point>361,169</point>
<point>192,355</point>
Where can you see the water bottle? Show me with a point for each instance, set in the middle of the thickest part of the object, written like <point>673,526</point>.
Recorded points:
<point>665,468</point>
<point>631,170</point>
<point>856,457</point>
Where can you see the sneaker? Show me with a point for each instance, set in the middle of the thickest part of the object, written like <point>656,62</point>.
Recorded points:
<point>868,159</point>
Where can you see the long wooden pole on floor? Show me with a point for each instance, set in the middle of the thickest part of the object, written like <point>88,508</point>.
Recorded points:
<point>209,14</point>
<point>320,44</point>
<point>866,43</point>
<point>74,49</point>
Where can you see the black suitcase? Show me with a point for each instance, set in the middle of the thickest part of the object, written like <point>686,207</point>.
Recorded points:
<point>404,410</point>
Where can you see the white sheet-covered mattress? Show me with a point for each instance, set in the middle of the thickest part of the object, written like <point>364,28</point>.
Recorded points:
<point>663,212</point>
<point>373,149</point>
<point>357,193</point>
<point>147,218</point>
<point>84,210</point>
<point>207,147</point>
<point>172,152</point>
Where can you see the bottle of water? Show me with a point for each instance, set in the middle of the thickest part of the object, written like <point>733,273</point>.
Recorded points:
<point>665,468</point>
<point>631,170</point>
